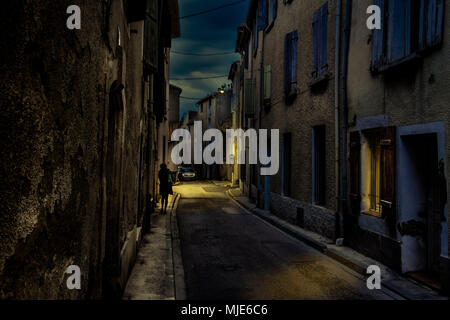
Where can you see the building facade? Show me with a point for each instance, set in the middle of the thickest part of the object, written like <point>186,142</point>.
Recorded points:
<point>363,119</point>
<point>398,136</point>
<point>289,80</point>
<point>81,108</point>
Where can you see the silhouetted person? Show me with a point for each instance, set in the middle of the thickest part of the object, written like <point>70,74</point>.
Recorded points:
<point>164,187</point>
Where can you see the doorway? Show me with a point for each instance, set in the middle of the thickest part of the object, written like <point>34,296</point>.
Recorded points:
<point>421,206</point>
<point>111,263</point>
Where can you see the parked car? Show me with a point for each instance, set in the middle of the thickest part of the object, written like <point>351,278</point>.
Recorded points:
<point>186,174</point>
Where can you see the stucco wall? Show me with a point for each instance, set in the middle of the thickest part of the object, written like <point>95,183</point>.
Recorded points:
<point>54,93</point>
<point>412,94</point>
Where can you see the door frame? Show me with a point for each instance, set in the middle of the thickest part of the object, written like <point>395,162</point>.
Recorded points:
<point>437,128</point>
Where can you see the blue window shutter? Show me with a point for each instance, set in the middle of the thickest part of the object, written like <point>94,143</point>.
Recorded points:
<point>294,41</point>
<point>316,30</point>
<point>255,38</point>
<point>378,39</point>
<point>399,30</point>
<point>246,52</point>
<point>273,10</point>
<point>262,15</point>
<point>431,23</point>
<point>287,68</point>
<point>323,66</point>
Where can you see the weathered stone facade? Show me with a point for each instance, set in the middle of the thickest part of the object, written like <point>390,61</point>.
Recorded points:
<point>75,134</point>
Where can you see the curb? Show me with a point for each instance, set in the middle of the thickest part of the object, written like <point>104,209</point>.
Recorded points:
<point>393,282</point>
<point>283,225</point>
<point>177,260</point>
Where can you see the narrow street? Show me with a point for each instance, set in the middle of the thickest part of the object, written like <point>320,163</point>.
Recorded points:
<point>229,253</point>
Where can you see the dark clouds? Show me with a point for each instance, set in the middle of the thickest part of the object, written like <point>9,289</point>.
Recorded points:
<point>208,33</point>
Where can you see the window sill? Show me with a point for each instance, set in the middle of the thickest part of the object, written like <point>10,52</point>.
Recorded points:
<point>290,97</point>
<point>414,57</point>
<point>372,213</point>
<point>267,104</point>
<point>320,80</point>
<point>269,27</point>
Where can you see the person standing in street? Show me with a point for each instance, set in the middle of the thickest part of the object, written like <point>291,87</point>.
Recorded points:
<point>165,187</point>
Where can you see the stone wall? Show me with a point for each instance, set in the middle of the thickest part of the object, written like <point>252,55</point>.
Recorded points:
<point>60,176</point>
<point>317,219</point>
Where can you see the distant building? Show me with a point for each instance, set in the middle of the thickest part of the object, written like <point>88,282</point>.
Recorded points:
<point>173,120</point>
<point>214,111</point>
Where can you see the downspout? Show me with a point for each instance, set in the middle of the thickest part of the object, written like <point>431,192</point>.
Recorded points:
<point>260,106</point>
<point>338,233</point>
<point>347,29</point>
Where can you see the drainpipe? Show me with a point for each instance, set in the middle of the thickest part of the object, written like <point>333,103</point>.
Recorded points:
<point>347,28</point>
<point>260,106</point>
<point>338,227</point>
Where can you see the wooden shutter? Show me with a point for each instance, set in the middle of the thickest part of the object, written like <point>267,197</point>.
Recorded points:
<point>399,30</point>
<point>388,174</point>
<point>267,82</point>
<point>246,52</point>
<point>287,67</point>
<point>378,39</point>
<point>151,37</point>
<point>355,173</point>
<point>249,97</point>
<point>316,31</point>
<point>286,164</point>
<point>255,38</point>
<point>323,66</point>
<point>293,49</point>
<point>273,10</point>
<point>431,23</point>
<point>262,15</point>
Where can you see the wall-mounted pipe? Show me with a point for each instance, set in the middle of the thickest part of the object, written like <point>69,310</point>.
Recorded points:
<point>344,119</point>
<point>337,116</point>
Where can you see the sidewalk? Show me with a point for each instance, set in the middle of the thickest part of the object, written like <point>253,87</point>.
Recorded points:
<point>392,280</point>
<point>157,268</point>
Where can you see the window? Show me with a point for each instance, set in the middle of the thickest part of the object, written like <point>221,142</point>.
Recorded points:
<point>286,164</point>
<point>319,164</point>
<point>320,27</point>
<point>255,39</point>
<point>408,27</point>
<point>378,176</point>
<point>151,41</point>
<point>273,4</point>
<point>374,173</point>
<point>243,172</point>
<point>250,97</point>
<point>267,85</point>
<point>290,63</point>
<point>246,52</point>
<point>262,15</point>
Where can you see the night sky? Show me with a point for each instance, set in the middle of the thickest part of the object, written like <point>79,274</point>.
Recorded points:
<point>209,33</point>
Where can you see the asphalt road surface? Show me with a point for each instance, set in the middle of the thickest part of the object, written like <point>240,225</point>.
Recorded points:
<point>229,253</point>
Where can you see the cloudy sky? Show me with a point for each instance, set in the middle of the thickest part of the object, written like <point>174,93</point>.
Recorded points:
<point>209,33</point>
